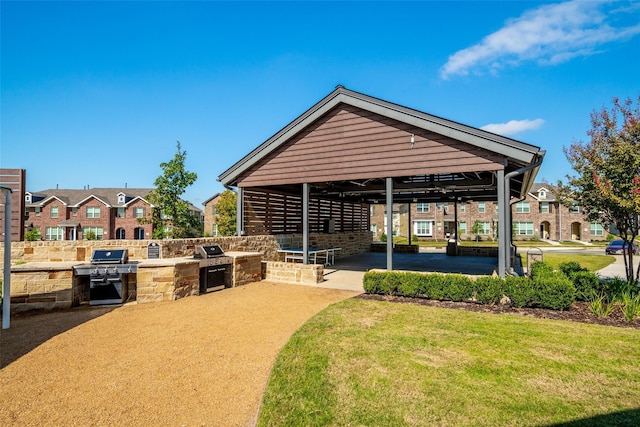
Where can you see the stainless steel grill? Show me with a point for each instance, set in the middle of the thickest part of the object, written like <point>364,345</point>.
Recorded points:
<point>215,268</point>
<point>108,276</point>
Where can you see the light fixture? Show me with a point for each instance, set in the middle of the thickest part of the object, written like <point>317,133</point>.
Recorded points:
<point>413,140</point>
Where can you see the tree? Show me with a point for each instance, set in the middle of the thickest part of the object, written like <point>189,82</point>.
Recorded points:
<point>172,216</point>
<point>226,213</point>
<point>477,229</point>
<point>32,234</point>
<point>607,184</point>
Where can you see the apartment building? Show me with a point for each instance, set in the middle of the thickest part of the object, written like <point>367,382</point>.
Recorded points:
<point>539,216</point>
<point>97,213</point>
<point>211,215</point>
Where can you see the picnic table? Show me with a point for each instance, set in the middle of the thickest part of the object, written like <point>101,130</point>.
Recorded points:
<point>327,255</point>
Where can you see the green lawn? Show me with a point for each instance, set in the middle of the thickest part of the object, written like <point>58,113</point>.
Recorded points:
<point>589,261</point>
<point>366,363</point>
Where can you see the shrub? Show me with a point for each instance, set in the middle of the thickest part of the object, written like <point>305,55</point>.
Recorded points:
<point>570,267</point>
<point>383,237</point>
<point>615,288</point>
<point>410,286</point>
<point>372,282</point>
<point>539,268</point>
<point>553,290</point>
<point>434,286</point>
<point>458,287</point>
<point>519,290</point>
<point>587,284</point>
<point>414,238</point>
<point>630,306</point>
<point>391,283</point>
<point>488,290</point>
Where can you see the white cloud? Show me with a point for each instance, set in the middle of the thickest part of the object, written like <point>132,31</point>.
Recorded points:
<point>549,35</point>
<point>513,127</point>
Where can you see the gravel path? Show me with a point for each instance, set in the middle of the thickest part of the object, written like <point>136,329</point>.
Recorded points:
<point>197,361</point>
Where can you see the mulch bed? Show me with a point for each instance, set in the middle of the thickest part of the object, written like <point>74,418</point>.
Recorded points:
<point>578,312</point>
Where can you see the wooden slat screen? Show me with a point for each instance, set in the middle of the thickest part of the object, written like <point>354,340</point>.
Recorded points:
<point>268,212</point>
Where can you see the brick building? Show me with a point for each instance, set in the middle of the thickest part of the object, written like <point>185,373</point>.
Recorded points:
<point>97,213</point>
<point>539,216</point>
<point>211,215</point>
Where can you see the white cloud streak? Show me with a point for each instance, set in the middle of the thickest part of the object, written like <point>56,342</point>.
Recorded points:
<point>549,35</point>
<point>513,127</point>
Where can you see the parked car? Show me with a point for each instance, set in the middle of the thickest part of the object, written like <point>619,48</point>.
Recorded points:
<point>618,247</point>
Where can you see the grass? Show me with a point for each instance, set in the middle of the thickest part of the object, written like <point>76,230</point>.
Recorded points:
<point>362,362</point>
<point>589,261</point>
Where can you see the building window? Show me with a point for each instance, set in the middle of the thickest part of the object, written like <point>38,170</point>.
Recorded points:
<point>462,227</point>
<point>74,211</point>
<point>54,212</point>
<point>523,228</point>
<point>121,199</point>
<point>371,210</point>
<point>441,206</point>
<point>523,207</point>
<point>38,210</point>
<point>542,194</point>
<point>481,207</point>
<point>121,234</point>
<point>544,207</point>
<point>214,212</point>
<point>463,207</point>
<point>93,212</point>
<point>484,227</point>
<point>374,229</point>
<point>423,207</point>
<point>138,212</point>
<point>138,233</point>
<point>574,208</point>
<point>597,229</point>
<point>422,228</point>
<point>95,233</point>
<point>53,233</point>
<point>120,213</point>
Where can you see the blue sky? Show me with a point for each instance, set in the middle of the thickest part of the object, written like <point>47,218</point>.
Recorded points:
<point>98,93</point>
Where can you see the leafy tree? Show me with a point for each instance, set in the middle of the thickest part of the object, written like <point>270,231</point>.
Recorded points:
<point>226,213</point>
<point>32,234</point>
<point>607,184</point>
<point>172,216</point>
<point>477,229</point>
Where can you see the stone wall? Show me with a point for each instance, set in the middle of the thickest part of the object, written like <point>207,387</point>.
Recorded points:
<point>167,282</point>
<point>247,268</point>
<point>80,250</point>
<point>291,272</point>
<point>41,286</point>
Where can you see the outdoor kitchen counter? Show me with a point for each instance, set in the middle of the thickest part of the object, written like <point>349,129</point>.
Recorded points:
<point>45,266</point>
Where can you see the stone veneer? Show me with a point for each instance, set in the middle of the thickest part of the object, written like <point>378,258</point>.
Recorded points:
<point>292,272</point>
<point>80,250</point>
<point>44,277</point>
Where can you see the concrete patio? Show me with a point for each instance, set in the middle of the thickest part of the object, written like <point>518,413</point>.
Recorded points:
<point>347,272</point>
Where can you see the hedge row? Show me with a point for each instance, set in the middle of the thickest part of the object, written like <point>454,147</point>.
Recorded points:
<point>544,288</point>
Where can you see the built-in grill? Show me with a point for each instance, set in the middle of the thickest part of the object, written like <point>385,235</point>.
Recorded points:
<point>215,268</point>
<point>108,276</point>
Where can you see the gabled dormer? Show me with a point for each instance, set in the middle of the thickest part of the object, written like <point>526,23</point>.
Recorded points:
<point>542,193</point>
<point>122,198</point>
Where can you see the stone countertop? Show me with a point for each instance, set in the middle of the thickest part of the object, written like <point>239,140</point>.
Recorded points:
<point>45,266</point>
<point>144,263</point>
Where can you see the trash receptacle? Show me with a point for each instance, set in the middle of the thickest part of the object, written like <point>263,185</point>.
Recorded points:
<point>452,247</point>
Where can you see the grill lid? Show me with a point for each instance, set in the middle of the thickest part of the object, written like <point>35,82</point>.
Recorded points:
<point>207,251</point>
<point>109,256</point>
